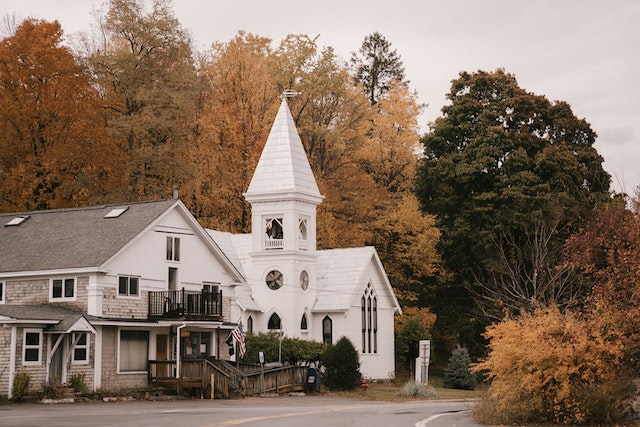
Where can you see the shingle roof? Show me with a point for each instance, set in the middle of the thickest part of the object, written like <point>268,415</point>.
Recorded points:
<point>225,242</point>
<point>339,270</point>
<point>61,318</point>
<point>72,238</point>
<point>283,165</point>
<point>339,274</point>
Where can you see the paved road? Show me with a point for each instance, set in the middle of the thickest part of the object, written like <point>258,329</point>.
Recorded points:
<point>308,411</point>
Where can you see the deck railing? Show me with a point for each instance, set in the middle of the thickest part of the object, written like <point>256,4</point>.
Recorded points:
<point>185,304</point>
<point>197,373</point>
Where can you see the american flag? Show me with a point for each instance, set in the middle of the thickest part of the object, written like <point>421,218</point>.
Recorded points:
<point>238,336</point>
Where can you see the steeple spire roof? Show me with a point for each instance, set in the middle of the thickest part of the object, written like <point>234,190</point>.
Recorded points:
<point>283,167</point>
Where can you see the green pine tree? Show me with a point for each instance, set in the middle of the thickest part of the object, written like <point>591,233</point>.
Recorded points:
<point>458,373</point>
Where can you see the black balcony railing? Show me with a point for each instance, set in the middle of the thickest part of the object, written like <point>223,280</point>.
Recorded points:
<point>185,304</point>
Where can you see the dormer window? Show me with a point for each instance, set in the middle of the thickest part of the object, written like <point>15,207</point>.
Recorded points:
<point>274,233</point>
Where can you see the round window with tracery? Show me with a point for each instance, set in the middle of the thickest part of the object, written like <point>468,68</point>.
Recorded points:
<point>304,280</point>
<point>274,279</point>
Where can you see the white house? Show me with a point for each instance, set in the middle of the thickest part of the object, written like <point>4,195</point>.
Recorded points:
<point>303,292</point>
<point>108,291</point>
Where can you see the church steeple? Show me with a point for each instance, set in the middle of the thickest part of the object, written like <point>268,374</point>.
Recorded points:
<point>283,191</point>
<point>283,168</point>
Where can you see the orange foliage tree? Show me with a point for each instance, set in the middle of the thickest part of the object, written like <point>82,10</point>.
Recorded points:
<point>55,148</point>
<point>237,113</point>
<point>553,367</point>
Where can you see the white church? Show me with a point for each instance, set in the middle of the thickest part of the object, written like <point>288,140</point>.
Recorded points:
<point>293,288</point>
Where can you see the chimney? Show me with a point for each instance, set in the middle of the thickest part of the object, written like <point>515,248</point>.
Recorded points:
<point>175,191</point>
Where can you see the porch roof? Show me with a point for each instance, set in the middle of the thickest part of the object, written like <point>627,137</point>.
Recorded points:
<point>59,319</point>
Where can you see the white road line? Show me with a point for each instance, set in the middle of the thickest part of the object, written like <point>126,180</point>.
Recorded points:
<point>423,423</point>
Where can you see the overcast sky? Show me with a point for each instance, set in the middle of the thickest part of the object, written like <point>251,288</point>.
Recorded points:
<point>584,52</point>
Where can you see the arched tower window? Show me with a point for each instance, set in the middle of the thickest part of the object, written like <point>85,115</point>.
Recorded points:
<point>327,330</point>
<point>250,325</point>
<point>274,322</point>
<point>369,317</point>
<point>303,323</point>
<point>274,233</point>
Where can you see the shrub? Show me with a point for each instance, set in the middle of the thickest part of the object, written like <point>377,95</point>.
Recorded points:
<point>413,389</point>
<point>458,373</point>
<point>292,350</point>
<point>21,384</point>
<point>342,367</point>
<point>553,367</point>
<point>77,383</point>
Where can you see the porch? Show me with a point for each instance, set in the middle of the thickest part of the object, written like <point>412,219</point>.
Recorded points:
<point>224,380</point>
<point>188,305</point>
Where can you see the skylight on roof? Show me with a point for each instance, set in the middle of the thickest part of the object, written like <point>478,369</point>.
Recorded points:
<point>116,212</point>
<point>17,220</point>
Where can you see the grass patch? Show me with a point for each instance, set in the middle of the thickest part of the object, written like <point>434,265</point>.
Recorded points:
<point>388,391</point>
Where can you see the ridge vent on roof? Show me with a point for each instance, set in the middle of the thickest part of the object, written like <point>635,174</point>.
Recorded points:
<point>17,220</point>
<point>116,212</point>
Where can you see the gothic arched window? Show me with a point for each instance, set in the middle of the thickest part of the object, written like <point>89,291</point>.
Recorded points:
<point>274,322</point>
<point>327,330</point>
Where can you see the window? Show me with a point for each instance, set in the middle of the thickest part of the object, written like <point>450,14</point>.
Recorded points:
<point>32,347</point>
<point>81,348</point>
<point>327,330</point>
<point>173,248</point>
<point>62,289</point>
<point>274,322</point>
<point>250,325</point>
<point>369,309</point>
<point>116,212</point>
<point>302,233</point>
<point>304,280</point>
<point>172,280</point>
<point>274,280</point>
<point>17,221</point>
<point>274,233</point>
<point>303,323</point>
<point>128,286</point>
<point>134,351</point>
<point>1,292</point>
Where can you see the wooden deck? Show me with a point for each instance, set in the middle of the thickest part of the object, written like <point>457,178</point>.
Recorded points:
<point>227,380</point>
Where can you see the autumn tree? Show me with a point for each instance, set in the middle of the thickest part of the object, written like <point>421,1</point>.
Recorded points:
<point>553,367</point>
<point>606,256</point>
<point>146,75</point>
<point>55,149</point>
<point>376,66</point>
<point>237,113</point>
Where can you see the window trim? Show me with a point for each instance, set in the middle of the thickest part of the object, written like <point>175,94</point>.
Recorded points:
<point>63,281</point>
<point>128,294</point>
<point>26,362</point>
<point>79,346</point>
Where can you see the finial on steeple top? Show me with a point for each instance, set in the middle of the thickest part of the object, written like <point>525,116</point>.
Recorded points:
<point>289,93</point>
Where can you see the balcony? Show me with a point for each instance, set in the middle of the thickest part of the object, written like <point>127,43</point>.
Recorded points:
<point>188,305</point>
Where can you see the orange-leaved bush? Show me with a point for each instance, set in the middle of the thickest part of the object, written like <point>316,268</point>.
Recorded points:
<point>553,367</point>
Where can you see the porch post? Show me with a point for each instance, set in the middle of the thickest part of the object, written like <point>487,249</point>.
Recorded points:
<point>12,360</point>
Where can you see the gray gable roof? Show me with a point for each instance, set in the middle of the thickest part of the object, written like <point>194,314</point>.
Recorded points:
<point>72,238</point>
